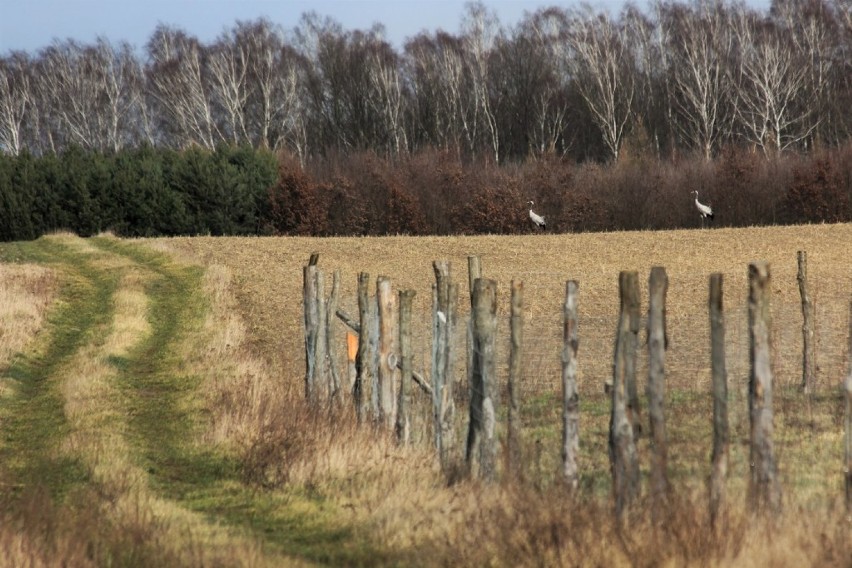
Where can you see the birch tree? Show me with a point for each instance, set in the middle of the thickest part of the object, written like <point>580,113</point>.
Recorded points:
<point>481,29</point>
<point>16,101</point>
<point>605,80</point>
<point>770,87</point>
<point>701,50</point>
<point>176,82</point>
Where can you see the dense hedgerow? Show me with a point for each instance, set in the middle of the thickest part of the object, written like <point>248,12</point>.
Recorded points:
<point>151,191</point>
<point>139,192</point>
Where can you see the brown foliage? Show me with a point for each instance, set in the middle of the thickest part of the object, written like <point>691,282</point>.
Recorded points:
<point>295,206</point>
<point>436,192</point>
<point>816,194</point>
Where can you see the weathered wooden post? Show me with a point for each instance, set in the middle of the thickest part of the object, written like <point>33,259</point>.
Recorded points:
<point>321,380</point>
<point>570,394</point>
<point>330,343</point>
<point>847,395</point>
<point>807,323</point>
<point>364,370</point>
<point>658,284</point>
<point>764,490</point>
<point>474,272</point>
<point>388,351</point>
<point>444,293</point>
<point>631,364</point>
<point>481,454</point>
<point>312,329</point>
<point>624,460</point>
<point>719,460</point>
<point>403,422</point>
<point>516,340</point>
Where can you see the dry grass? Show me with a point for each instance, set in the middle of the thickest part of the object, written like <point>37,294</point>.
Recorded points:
<point>26,291</point>
<point>398,497</point>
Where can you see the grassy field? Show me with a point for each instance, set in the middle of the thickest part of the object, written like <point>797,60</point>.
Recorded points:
<point>164,391</point>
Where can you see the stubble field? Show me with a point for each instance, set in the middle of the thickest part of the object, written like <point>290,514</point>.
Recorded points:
<point>808,429</point>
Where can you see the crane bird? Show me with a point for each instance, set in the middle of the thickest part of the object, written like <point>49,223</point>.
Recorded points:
<point>704,210</point>
<point>537,219</point>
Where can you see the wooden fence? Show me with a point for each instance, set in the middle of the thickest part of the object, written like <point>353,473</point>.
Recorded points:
<point>383,376</point>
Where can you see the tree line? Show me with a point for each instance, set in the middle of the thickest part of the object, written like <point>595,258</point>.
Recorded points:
<point>680,77</point>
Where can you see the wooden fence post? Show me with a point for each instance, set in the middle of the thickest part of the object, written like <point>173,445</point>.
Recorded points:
<point>363,360</point>
<point>444,295</point>
<point>658,284</point>
<point>474,272</point>
<point>624,460</point>
<point>631,364</point>
<point>807,323</point>
<point>330,343</point>
<point>516,341</point>
<point>403,423</point>
<point>481,451</point>
<point>388,351</point>
<point>719,461</point>
<point>321,380</point>
<point>439,346</point>
<point>764,490</point>
<point>847,395</point>
<point>309,295</point>
<point>570,395</point>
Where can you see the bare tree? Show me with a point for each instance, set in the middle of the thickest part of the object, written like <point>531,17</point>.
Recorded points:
<point>814,32</point>
<point>228,61</point>
<point>387,97</point>
<point>273,108</point>
<point>16,101</point>
<point>543,80</point>
<point>481,29</point>
<point>175,81</point>
<point>701,48</point>
<point>445,106</point>
<point>771,86</point>
<point>604,75</point>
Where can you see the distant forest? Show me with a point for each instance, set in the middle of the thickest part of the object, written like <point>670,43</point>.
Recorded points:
<point>563,95</point>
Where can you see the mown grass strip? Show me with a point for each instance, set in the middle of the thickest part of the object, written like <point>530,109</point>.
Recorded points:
<point>33,419</point>
<point>167,418</point>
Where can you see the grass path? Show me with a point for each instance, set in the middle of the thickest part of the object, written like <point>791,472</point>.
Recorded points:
<point>106,416</point>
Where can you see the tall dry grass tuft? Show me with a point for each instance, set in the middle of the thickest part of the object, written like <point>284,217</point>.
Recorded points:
<point>26,291</point>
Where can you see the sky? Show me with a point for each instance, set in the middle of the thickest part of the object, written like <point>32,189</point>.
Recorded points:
<point>30,25</point>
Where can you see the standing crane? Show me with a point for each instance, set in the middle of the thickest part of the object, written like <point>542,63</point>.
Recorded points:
<point>704,210</point>
<point>537,219</point>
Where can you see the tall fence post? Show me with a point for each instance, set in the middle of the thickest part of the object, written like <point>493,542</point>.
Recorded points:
<point>658,284</point>
<point>624,460</point>
<point>388,351</point>
<point>570,395</point>
<point>403,422</point>
<point>474,272</point>
<point>309,295</point>
<point>481,451</point>
<point>364,359</point>
<point>321,365</point>
<point>330,343</point>
<point>847,395</point>
<point>719,460</point>
<point>444,295</point>
<point>631,364</point>
<point>764,490</point>
<point>516,340</point>
<point>807,323</point>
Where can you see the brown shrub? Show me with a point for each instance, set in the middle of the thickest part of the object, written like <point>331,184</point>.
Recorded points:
<point>295,206</point>
<point>816,194</point>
